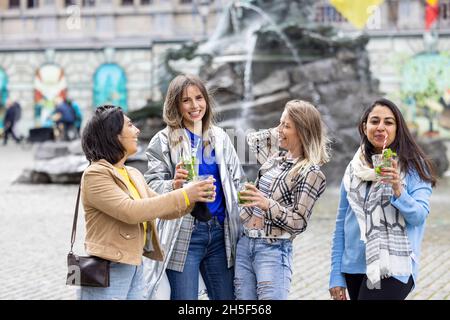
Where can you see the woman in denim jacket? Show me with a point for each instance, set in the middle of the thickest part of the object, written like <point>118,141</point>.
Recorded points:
<point>278,207</point>
<point>380,222</point>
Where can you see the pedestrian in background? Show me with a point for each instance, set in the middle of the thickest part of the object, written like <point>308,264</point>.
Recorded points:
<point>12,116</point>
<point>278,207</point>
<point>376,243</point>
<point>64,118</point>
<point>78,116</point>
<point>120,208</point>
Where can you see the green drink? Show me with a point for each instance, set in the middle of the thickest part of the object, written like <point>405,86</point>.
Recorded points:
<point>383,160</point>
<point>203,177</point>
<point>240,201</point>
<point>242,188</point>
<point>189,165</point>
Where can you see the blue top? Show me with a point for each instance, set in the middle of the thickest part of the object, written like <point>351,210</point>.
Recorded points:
<point>348,250</point>
<point>67,113</point>
<point>209,166</point>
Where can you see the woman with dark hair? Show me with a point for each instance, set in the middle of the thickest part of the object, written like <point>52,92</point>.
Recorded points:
<point>380,222</point>
<point>205,241</point>
<point>120,208</point>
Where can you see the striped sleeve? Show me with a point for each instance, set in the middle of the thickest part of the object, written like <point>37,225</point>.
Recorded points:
<point>294,218</point>
<point>245,214</point>
<point>263,144</point>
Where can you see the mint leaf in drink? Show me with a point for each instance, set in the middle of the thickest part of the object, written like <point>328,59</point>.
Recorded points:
<point>388,153</point>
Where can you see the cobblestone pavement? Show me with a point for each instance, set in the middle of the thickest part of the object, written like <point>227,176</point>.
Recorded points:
<point>36,222</point>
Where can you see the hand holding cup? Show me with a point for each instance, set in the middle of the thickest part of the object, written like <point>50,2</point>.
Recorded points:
<point>252,197</point>
<point>181,176</point>
<point>201,191</point>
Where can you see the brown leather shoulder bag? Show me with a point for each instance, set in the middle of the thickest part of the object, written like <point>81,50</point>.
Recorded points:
<point>86,271</point>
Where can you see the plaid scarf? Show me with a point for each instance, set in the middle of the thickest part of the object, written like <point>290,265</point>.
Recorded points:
<point>381,225</point>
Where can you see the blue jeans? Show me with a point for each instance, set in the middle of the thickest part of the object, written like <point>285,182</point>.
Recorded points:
<point>263,270</point>
<point>126,282</point>
<point>206,253</point>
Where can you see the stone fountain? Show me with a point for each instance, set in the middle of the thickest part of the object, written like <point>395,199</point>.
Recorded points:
<point>265,53</point>
<point>262,54</point>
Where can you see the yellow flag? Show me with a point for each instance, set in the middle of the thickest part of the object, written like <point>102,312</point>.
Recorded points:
<point>357,12</point>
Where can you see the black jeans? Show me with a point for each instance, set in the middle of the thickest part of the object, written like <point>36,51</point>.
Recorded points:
<point>391,288</point>
<point>9,131</point>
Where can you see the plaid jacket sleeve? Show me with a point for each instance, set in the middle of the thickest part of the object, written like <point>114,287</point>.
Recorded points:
<point>294,218</point>
<point>263,144</point>
<point>245,214</point>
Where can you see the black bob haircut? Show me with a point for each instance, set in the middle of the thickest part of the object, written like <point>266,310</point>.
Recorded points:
<point>100,136</point>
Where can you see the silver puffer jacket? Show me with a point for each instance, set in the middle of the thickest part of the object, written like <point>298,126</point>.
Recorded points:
<point>164,152</point>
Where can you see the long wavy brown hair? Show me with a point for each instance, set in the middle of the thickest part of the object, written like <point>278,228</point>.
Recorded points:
<point>171,112</point>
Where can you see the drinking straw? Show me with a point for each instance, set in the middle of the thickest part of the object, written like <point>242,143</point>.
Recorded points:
<point>384,144</point>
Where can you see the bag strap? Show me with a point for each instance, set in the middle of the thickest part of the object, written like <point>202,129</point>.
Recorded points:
<point>75,218</point>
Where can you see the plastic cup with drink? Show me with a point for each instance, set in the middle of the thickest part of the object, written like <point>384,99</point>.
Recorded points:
<point>203,177</point>
<point>189,165</point>
<point>242,187</point>
<point>384,160</point>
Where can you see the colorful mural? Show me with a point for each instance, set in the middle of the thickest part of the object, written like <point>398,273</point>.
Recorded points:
<point>3,94</point>
<point>110,86</point>
<point>425,92</point>
<point>49,83</point>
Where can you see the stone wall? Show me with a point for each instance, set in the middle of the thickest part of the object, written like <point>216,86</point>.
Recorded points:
<point>79,67</point>
<point>388,53</point>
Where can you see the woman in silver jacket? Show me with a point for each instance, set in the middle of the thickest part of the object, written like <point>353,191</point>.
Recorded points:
<point>192,245</point>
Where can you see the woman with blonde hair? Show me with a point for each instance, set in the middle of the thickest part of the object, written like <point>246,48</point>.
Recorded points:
<point>278,207</point>
<point>204,241</point>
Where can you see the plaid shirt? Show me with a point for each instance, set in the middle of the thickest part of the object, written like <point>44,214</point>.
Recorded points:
<point>291,197</point>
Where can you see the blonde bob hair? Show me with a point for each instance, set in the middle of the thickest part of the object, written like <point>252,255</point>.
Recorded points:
<point>311,132</point>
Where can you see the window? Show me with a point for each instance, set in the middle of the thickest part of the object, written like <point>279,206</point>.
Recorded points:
<point>89,3</point>
<point>328,14</point>
<point>146,2</point>
<point>445,11</point>
<point>32,3</point>
<point>14,3</point>
<point>185,1</point>
<point>127,2</point>
<point>393,11</point>
<point>70,3</point>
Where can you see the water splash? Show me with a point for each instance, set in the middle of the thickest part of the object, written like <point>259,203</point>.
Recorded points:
<point>280,32</point>
<point>252,38</point>
<point>234,20</point>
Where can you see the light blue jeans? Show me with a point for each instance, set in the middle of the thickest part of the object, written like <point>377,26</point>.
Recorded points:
<point>126,282</point>
<point>263,270</point>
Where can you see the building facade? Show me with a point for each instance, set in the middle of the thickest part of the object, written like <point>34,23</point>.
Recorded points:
<point>411,63</point>
<point>108,50</point>
<point>79,48</point>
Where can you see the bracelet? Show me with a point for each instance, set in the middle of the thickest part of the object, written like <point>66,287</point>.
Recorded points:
<point>186,198</point>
